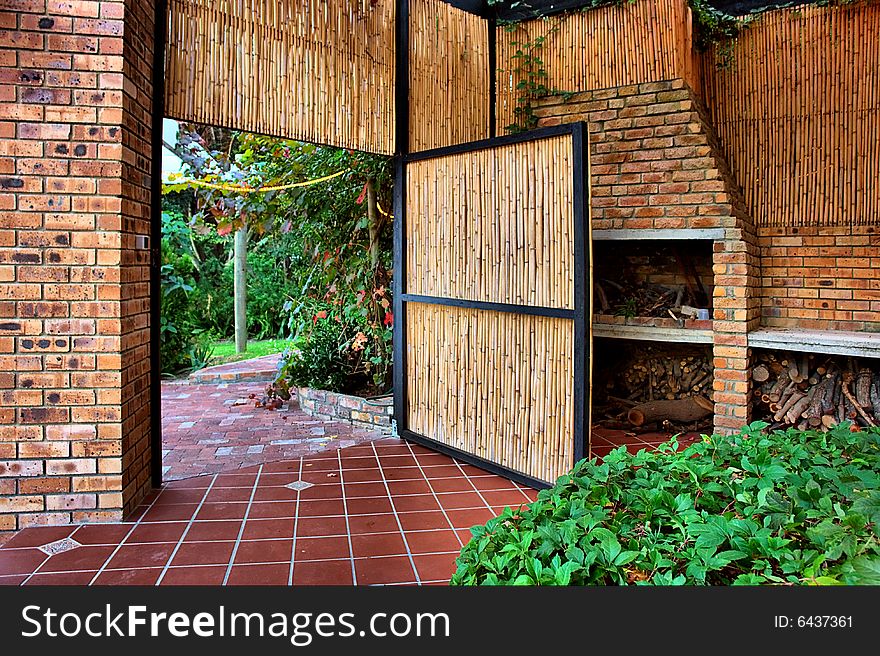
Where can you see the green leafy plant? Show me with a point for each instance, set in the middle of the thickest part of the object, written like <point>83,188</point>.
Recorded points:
<point>318,357</point>
<point>323,247</point>
<point>629,308</point>
<point>793,507</point>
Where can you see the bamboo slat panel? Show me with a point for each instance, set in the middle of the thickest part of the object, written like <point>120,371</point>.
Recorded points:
<point>496,385</point>
<point>449,75</point>
<point>494,225</point>
<point>798,115</point>
<point>642,41</point>
<point>313,71</point>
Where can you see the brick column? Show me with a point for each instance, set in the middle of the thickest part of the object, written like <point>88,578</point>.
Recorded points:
<point>74,161</point>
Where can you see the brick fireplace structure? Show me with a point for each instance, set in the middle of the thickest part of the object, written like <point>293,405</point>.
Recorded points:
<point>658,173</point>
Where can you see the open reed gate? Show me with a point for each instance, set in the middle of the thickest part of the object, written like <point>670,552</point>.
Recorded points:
<point>492,302</point>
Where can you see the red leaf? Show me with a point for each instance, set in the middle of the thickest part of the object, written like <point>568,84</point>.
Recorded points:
<point>363,194</point>
<point>389,319</point>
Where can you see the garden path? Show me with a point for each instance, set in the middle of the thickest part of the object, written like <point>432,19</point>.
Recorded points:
<point>214,428</point>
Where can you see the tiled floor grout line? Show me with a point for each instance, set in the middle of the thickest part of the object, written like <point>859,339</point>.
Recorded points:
<point>345,510</point>
<point>121,542</point>
<point>295,526</point>
<point>479,494</point>
<point>272,562</point>
<point>186,528</point>
<point>521,491</point>
<point>241,528</point>
<point>412,562</point>
<point>431,487</point>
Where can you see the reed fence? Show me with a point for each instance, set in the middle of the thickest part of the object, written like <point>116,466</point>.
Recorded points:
<point>797,110</point>
<point>449,75</point>
<point>633,43</point>
<point>493,384</point>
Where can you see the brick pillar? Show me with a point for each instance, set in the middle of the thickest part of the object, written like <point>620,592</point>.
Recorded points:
<point>74,160</point>
<point>737,298</point>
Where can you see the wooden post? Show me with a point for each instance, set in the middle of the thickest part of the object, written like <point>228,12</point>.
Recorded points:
<point>240,290</point>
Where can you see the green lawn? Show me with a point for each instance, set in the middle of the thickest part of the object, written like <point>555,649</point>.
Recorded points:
<point>224,351</point>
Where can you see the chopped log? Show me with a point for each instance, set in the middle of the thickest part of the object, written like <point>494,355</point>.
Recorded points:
<point>793,398</point>
<point>828,421</point>
<point>804,371</point>
<point>681,410</point>
<point>781,381</point>
<point>827,400</point>
<point>793,415</point>
<point>875,395</point>
<point>760,373</point>
<point>821,392</point>
<point>863,388</point>
<point>847,379</point>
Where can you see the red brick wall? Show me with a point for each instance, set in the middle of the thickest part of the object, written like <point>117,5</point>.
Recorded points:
<point>821,278</point>
<point>136,179</point>
<point>655,163</point>
<point>71,145</point>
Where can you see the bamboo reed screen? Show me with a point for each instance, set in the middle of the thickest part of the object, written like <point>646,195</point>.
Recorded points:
<point>493,225</point>
<point>314,71</point>
<point>449,75</point>
<point>642,41</point>
<point>493,384</point>
<point>798,114</point>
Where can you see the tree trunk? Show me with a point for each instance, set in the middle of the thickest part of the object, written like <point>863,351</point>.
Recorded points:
<point>373,223</point>
<point>240,290</point>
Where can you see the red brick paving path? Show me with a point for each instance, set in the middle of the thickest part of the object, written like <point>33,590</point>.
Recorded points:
<point>263,368</point>
<point>208,429</point>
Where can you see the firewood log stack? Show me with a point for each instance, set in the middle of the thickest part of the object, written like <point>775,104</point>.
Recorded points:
<point>811,391</point>
<point>668,377</point>
<point>661,387</point>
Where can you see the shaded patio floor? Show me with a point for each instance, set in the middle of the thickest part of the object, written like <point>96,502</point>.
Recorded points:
<point>386,512</point>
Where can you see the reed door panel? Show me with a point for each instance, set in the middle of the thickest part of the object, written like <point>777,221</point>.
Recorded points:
<point>492,340</point>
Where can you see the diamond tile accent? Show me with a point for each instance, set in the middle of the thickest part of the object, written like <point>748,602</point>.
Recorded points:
<point>299,486</point>
<point>59,546</point>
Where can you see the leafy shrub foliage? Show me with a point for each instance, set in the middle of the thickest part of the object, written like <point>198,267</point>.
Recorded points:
<point>184,345</point>
<point>318,358</point>
<point>794,507</point>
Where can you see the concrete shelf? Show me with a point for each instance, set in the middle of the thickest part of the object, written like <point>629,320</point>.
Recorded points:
<point>652,333</point>
<point>830,342</point>
<point>664,233</point>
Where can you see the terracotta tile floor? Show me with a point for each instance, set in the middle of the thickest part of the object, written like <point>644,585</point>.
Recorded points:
<point>384,513</point>
<point>603,440</point>
<point>208,429</point>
